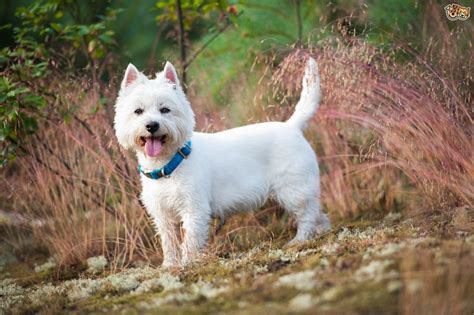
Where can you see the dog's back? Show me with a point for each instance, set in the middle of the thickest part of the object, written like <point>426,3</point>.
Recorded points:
<point>248,164</point>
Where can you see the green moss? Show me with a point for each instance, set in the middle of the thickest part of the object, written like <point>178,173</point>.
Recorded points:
<point>368,297</point>
<point>17,271</point>
<point>208,271</point>
<point>101,302</point>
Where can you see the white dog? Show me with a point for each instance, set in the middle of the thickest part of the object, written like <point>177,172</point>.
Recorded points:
<point>189,177</point>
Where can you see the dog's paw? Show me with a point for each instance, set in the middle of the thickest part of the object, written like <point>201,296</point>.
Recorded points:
<point>296,242</point>
<point>189,261</point>
<point>193,259</point>
<point>323,225</point>
<point>292,243</point>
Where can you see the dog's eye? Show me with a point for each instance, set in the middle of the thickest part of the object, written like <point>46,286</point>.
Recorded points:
<point>165,110</point>
<point>138,111</point>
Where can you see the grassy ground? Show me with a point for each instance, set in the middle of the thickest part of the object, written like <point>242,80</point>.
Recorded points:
<point>417,265</point>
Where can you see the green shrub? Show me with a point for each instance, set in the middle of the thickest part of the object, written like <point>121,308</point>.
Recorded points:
<point>50,47</point>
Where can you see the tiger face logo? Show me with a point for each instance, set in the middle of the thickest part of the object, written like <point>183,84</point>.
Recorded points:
<point>457,12</point>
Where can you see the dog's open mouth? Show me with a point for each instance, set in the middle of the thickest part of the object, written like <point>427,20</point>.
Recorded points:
<point>153,145</point>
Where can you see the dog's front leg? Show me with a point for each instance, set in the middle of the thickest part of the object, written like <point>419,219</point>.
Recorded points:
<point>196,228</point>
<point>169,235</point>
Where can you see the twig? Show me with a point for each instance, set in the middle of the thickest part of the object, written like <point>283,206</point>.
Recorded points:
<point>206,44</point>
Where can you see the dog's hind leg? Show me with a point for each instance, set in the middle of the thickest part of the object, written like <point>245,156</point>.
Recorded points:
<point>310,221</point>
<point>303,203</point>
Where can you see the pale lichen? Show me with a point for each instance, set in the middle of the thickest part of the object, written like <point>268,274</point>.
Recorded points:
<point>96,264</point>
<point>47,266</point>
<point>330,294</point>
<point>307,252</point>
<point>10,294</point>
<point>388,249</point>
<point>330,248</point>
<point>260,269</point>
<point>207,290</point>
<point>192,293</point>
<point>281,255</point>
<point>324,262</point>
<point>414,285</point>
<point>81,289</point>
<point>375,270</point>
<point>303,280</point>
<point>394,286</point>
<point>392,217</point>
<point>124,283</point>
<point>301,302</point>
<point>165,281</point>
<point>344,234</point>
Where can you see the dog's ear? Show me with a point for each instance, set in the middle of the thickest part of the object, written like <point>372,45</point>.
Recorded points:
<point>131,75</point>
<point>170,73</point>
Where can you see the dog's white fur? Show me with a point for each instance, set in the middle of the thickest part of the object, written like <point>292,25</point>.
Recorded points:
<point>228,171</point>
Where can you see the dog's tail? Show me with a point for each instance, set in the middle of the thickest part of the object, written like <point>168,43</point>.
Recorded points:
<point>310,95</point>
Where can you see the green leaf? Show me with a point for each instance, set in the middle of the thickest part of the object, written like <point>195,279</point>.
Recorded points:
<point>57,27</point>
<point>83,30</point>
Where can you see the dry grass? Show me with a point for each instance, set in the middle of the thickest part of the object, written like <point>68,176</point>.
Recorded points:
<point>81,191</point>
<point>382,122</point>
<point>435,289</point>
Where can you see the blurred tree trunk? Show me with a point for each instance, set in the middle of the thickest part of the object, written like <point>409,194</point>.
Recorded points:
<point>299,24</point>
<point>182,46</point>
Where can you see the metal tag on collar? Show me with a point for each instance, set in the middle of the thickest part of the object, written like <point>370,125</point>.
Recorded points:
<point>163,173</point>
<point>182,153</point>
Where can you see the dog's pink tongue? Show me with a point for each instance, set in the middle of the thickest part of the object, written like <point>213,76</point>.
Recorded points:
<point>153,147</point>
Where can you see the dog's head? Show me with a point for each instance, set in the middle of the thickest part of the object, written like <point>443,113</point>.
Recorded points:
<point>153,116</point>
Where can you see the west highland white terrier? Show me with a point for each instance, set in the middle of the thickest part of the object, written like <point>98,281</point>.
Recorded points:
<point>190,177</point>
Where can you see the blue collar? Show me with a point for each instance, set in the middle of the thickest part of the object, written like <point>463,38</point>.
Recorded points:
<point>166,170</point>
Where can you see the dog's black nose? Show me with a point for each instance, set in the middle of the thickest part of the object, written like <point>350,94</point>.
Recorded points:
<point>152,126</point>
